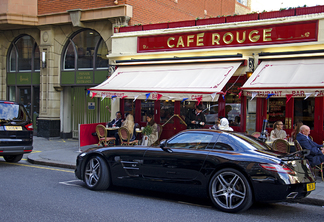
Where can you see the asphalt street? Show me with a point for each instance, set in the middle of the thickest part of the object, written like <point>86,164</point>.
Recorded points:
<point>42,193</point>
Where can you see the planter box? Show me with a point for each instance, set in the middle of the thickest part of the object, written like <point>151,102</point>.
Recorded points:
<point>182,24</point>
<point>241,18</point>
<point>310,10</point>
<point>116,29</point>
<point>131,28</point>
<point>210,21</point>
<point>277,14</point>
<point>155,26</point>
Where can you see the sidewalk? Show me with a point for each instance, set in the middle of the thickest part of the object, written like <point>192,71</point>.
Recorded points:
<point>63,152</point>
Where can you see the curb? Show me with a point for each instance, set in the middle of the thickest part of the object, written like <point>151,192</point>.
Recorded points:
<point>48,163</point>
<point>308,201</point>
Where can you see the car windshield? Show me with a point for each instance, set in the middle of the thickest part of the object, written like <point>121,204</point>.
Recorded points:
<point>10,111</point>
<point>253,143</point>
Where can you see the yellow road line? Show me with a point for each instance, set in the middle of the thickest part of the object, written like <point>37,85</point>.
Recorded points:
<point>40,167</point>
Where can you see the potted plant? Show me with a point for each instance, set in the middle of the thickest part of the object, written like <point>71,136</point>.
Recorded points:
<point>147,130</point>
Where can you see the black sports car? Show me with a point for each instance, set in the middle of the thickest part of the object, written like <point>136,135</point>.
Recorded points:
<point>230,168</point>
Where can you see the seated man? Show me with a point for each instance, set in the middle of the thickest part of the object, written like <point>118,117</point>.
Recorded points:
<point>316,155</point>
<point>117,121</point>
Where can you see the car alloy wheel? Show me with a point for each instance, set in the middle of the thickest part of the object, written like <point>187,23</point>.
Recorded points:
<point>96,174</point>
<point>230,191</point>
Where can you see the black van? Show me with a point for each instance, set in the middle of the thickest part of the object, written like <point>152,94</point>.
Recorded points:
<point>16,131</point>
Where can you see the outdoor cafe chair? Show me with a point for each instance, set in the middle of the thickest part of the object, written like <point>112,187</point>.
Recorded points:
<point>281,146</point>
<point>102,136</point>
<point>125,137</point>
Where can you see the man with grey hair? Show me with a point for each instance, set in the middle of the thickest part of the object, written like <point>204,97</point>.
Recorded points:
<point>316,155</point>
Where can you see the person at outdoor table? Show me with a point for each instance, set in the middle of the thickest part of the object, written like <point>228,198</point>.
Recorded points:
<point>224,125</point>
<point>130,125</point>
<point>316,156</point>
<point>148,140</point>
<point>117,121</point>
<point>195,118</point>
<point>217,122</point>
<point>296,129</point>
<point>277,132</point>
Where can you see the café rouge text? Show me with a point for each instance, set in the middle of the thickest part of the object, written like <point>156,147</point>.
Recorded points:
<point>238,37</point>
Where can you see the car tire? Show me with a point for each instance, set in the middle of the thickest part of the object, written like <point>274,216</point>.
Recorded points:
<point>13,158</point>
<point>96,174</point>
<point>230,191</point>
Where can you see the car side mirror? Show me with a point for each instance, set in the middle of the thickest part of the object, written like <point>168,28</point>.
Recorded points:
<point>163,144</point>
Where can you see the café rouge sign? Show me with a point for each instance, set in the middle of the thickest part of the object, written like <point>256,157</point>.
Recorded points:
<point>274,34</point>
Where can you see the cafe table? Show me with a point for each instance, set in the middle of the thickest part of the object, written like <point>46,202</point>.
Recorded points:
<point>291,144</point>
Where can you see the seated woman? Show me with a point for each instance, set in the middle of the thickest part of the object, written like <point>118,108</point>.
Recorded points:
<point>130,125</point>
<point>278,132</point>
<point>296,129</point>
<point>148,140</point>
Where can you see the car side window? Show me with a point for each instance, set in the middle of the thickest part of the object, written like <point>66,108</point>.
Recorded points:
<point>224,143</point>
<point>191,141</point>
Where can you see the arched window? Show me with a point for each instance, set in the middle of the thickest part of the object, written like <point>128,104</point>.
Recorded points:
<point>24,55</point>
<point>85,50</point>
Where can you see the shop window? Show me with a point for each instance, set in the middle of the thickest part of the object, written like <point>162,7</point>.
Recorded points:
<point>37,59</point>
<point>69,58</point>
<point>233,103</point>
<point>129,107</point>
<point>276,110</point>
<point>166,111</point>
<point>85,50</point>
<point>304,111</point>
<point>102,52</point>
<point>211,112</point>
<point>251,115</point>
<point>147,107</point>
<point>13,60</point>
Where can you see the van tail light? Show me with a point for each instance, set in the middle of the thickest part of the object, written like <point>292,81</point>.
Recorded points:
<point>29,127</point>
<point>280,168</point>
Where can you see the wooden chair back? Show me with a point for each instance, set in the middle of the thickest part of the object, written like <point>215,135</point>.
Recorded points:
<point>102,135</point>
<point>125,137</point>
<point>281,146</point>
<point>298,147</point>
